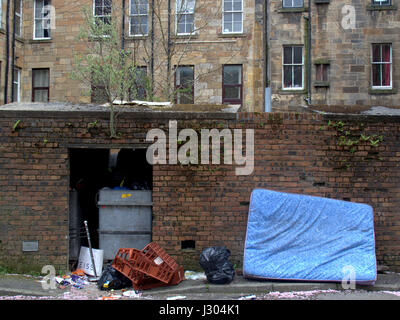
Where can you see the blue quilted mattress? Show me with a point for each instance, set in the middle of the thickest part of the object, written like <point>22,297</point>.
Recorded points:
<point>307,238</point>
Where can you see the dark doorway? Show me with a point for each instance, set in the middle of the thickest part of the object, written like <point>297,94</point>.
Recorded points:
<point>95,169</point>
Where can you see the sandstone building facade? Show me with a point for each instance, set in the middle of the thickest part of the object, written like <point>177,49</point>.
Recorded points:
<point>333,53</point>
<point>315,52</point>
<point>217,46</point>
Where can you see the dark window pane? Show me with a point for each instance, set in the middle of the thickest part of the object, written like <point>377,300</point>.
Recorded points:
<point>376,53</point>
<point>298,55</point>
<point>376,75</point>
<point>325,70</point>
<point>228,5</point>
<point>386,75</point>
<point>287,76</point>
<point>386,52</point>
<point>287,55</point>
<point>297,3</point>
<point>41,96</point>
<point>232,93</point>
<point>232,75</point>
<point>318,70</point>
<point>298,76</point>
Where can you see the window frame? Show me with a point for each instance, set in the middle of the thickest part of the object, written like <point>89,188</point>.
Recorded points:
<point>380,4</point>
<point>138,15</point>
<point>19,14</point>
<point>228,100</point>
<point>177,87</point>
<point>179,14</point>
<point>40,88</point>
<point>41,21</point>
<point>101,16</point>
<point>17,81</point>
<point>324,72</point>
<point>292,6</point>
<point>293,64</point>
<point>232,12</point>
<point>141,83</point>
<point>381,63</point>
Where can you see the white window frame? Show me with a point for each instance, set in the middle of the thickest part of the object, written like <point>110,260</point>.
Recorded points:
<point>18,31</point>
<point>379,3</point>
<point>184,14</point>
<point>41,21</point>
<point>18,83</point>
<point>382,63</point>
<point>100,16</point>
<point>138,15</point>
<point>292,6</point>
<point>232,12</point>
<point>293,64</point>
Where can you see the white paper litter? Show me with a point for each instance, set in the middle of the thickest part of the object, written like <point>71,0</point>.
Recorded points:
<point>193,275</point>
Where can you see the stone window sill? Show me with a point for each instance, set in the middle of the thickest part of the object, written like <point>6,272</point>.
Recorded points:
<point>40,41</point>
<point>292,10</point>
<point>232,35</point>
<point>322,61</point>
<point>321,84</point>
<point>382,91</point>
<point>372,7</point>
<point>133,38</point>
<point>290,91</point>
<point>185,36</point>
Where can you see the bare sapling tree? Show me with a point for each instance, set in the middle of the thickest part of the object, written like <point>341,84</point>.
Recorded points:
<point>107,70</point>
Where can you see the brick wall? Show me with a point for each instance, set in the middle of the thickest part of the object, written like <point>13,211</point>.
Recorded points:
<point>299,153</point>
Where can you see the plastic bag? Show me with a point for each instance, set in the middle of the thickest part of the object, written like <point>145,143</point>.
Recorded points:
<point>113,279</point>
<point>217,267</point>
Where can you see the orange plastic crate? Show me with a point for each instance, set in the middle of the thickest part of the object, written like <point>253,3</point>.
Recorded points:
<point>150,268</point>
<point>154,262</point>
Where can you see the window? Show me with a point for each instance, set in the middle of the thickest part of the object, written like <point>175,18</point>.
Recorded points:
<point>138,17</point>
<point>139,91</point>
<point>18,18</point>
<point>381,2</point>
<point>42,20</point>
<point>102,10</point>
<point>322,71</point>
<point>232,84</point>
<point>233,16</point>
<point>293,67</point>
<point>382,66</point>
<point>184,85</point>
<point>17,85</point>
<point>40,85</point>
<point>292,3</point>
<point>185,16</point>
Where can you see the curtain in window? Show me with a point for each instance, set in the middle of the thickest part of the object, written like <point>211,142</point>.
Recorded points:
<point>386,66</point>
<point>41,85</point>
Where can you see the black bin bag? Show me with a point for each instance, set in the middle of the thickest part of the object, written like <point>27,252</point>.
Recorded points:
<point>113,279</point>
<point>217,267</point>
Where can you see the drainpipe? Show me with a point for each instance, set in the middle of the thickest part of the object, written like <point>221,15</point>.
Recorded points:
<point>123,27</point>
<point>13,53</point>
<point>267,92</point>
<point>7,52</point>
<point>308,99</point>
<point>152,50</point>
<point>169,46</point>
